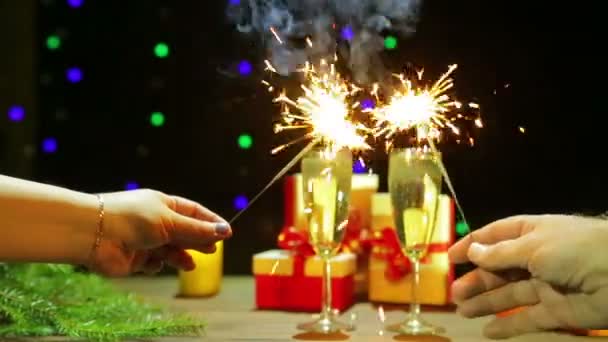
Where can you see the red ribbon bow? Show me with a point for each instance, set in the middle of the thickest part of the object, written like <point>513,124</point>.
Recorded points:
<point>387,247</point>
<point>296,240</point>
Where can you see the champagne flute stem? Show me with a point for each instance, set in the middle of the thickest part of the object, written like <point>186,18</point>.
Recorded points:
<point>415,306</point>
<point>327,311</point>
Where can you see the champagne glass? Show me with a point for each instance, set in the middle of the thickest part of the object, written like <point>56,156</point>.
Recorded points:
<point>327,177</point>
<point>414,182</point>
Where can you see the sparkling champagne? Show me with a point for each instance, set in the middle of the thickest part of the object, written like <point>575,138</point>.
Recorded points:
<point>414,185</point>
<point>327,179</point>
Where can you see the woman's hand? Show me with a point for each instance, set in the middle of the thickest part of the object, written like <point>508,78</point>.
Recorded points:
<point>554,265</point>
<point>145,229</point>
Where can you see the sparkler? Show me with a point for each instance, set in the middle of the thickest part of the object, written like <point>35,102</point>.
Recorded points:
<point>323,113</point>
<point>324,110</point>
<point>427,110</point>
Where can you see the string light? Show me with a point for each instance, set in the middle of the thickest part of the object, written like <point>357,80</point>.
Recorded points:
<point>359,166</point>
<point>462,228</point>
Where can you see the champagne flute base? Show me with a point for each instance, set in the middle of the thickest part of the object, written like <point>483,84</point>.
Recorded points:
<point>415,326</point>
<point>326,325</point>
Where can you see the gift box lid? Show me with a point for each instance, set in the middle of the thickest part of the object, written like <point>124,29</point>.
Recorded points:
<point>280,262</point>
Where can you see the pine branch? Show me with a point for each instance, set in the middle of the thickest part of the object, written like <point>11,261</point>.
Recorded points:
<point>45,300</point>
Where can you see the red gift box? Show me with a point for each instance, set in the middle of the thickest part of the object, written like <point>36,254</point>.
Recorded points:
<point>290,279</point>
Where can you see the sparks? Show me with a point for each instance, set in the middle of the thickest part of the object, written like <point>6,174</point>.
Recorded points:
<point>324,111</point>
<point>428,110</point>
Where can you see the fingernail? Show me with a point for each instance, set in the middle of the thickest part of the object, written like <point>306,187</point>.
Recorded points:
<point>476,250</point>
<point>222,228</point>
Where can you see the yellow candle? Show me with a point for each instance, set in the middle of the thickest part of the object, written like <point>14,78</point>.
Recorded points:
<point>206,278</point>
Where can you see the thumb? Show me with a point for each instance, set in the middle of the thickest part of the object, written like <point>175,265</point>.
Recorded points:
<point>504,255</point>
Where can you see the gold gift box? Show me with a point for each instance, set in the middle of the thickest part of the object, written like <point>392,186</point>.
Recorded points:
<point>436,274</point>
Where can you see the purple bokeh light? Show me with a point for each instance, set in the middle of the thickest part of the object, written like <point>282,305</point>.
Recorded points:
<point>131,185</point>
<point>74,75</point>
<point>49,145</point>
<point>75,3</point>
<point>240,202</point>
<point>16,113</point>
<point>245,68</point>
<point>348,33</point>
<point>359,167</point>
<point>368,104</point>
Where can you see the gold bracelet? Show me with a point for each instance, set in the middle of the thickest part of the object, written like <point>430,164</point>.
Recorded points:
<point>99,233</point>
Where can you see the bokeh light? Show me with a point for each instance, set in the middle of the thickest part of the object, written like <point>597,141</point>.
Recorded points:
<point>462,228</point>
<point>131,185</point>
<point>348,33</point>
<point>359,166</point>
<point>368,104</point>
<point>75,3</point>
<point>234,2</point>
<point>390,43</point>
<point>245,141</point>
<point>240,202</point>
<point>161,50</point>
<point>53,42</point>
<point>157,119</point>
<point>74,75</point>
<point>245,68</point>
<point>49,145</point>
<point>16,113</point>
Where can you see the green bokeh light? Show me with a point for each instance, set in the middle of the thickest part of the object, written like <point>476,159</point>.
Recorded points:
<point>245,141</point>
<point>157,119</point>
<point>161,50</point>
<point>390,43</point>
<point>462,228</point>
<point>53,42</point>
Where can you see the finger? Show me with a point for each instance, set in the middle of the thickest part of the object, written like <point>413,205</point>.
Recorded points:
<point>479,281</point>
<point>504,255</point>
<point>509,296</point>
<point>505,229</point>
<point>180,259</point>
<point>532,319</point>
<point>189,233</point>
<point>195,210</point>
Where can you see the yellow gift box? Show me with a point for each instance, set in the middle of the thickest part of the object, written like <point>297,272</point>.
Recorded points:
<point>364,186</point>
<point>436,272</point>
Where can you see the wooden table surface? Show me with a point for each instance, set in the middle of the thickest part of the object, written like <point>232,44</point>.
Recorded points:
<point>231,316</point>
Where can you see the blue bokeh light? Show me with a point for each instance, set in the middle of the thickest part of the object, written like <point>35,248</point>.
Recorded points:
<point>75,3</point>
<point>16,113</point>
<point>368,104</point>
<point>49,145</point>
<point>131,185</point>
<point>245,68</point>
<point>74,75</point>
<point>240,202</point>
<point>359,166</point>
<point>348,33</point>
